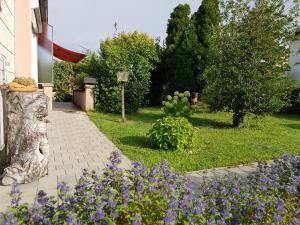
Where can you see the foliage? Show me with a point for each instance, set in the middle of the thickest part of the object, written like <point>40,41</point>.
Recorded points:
<point>182,51</point>
<point>270,196</point>
<point>63,76</point>
<point>248,58</point>
<point>26,81</point>
<point>172,133</point>
<point>216,142</point>
<point>160,196</point>
<point>158,79</point>
<point>67,76</point>
<point>136,196</point>
<point>178,105</point>
<point>206,19</point>
<point>294,98</point>
<point>135,53</point>
<point>78,81</point>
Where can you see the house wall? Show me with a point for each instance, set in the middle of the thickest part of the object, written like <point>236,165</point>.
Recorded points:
<point>34,47</point>
<point>294,73</point>
<point>7,39</point>
<point>23,38</point>
<point>7,63</point>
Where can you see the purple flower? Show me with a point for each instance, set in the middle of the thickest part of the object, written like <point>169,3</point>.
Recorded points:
<point>151,188</point>
<point>42,198</point>
<point>279,205</point>
<point>235,191</point>
<point>111,201</point>
<point>137,220</point>
<point>15,194</point>
<point>170,218</point>
<point>140,185</point>
<point>296,221</point>
<point>115,158</point>
<point>277,218</point>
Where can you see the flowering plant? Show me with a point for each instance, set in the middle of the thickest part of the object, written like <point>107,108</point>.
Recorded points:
<point>178,105</point>
<point>141,196</point>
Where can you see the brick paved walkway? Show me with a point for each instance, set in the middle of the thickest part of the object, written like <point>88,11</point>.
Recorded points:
<point>197,177</point>
<point>75,143</point>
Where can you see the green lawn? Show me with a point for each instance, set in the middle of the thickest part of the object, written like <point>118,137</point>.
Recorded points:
<point>216,142</point>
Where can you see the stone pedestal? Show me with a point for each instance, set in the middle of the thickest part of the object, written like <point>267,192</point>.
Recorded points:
<point>47,89</point>
<point>84,99</point>
<point>27,142</point>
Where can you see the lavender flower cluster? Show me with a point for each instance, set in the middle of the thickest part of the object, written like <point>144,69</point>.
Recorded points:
<point>158,195</point>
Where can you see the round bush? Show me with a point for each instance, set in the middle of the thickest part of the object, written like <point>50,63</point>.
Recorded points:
<point>172,133</point>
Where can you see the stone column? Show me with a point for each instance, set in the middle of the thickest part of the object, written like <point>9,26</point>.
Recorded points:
<point>27,142</point>
<point>89,97</point>
<point>48,91</point>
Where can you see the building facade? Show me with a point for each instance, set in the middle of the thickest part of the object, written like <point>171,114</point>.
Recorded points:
<point>7,61</point>
<point>7,40</point>
<point>294,60</point>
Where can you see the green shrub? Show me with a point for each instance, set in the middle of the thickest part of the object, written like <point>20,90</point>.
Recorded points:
<point>63,73</point>
<point>78,81</point>
<point>135,53</point>
<point>294,97</point>
<point>178,105</point>
<point>172,133</point>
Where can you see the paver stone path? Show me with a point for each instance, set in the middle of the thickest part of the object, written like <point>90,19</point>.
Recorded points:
<point>75,143</point>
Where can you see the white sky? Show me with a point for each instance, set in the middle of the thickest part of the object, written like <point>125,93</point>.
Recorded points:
<point>86,22</point>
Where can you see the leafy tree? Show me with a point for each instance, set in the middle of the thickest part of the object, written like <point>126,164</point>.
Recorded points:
<point>182,53</point>
<point>135,53</point>
<point>249,56</point>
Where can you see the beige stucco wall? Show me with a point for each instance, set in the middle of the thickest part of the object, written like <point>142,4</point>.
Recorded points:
<point>7,38</point>
<point>23,43</point>
<point>84,99</point>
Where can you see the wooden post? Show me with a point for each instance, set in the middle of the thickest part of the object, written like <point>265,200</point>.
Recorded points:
<point>123,100</point>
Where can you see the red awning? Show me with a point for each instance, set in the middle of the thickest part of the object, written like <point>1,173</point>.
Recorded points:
<point>60,52</point>
<point>67,55</point>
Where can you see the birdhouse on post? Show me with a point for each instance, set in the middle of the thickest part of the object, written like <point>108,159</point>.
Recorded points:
<point>123,78</point>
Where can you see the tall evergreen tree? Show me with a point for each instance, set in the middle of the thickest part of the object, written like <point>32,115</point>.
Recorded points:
<point>177,25</point>
<point>207,19</point>
<point>182,51</point>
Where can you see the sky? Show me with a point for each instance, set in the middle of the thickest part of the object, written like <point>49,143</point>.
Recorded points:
<point>85,23</point>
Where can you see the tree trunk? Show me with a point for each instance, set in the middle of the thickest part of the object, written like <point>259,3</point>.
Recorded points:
<point>27,142</point>
<point>194,99</point>
<point>238,118</point>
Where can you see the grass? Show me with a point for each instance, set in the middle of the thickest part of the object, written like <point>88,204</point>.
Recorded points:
<point>217,144</point>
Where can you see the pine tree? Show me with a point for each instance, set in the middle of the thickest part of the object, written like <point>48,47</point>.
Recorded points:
<point>182,51</point>
<point>177,24</point>
<point>207,19</point>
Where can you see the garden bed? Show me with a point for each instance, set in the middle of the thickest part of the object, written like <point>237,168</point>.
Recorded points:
<point>142,196</point>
